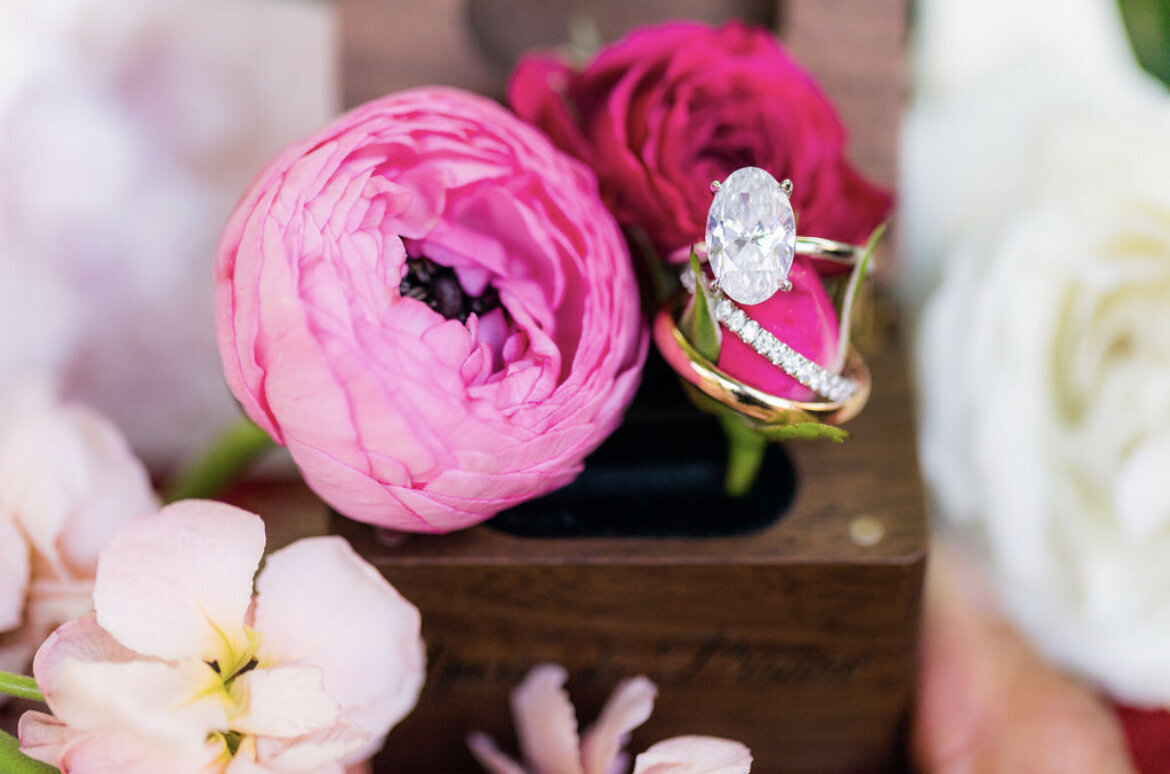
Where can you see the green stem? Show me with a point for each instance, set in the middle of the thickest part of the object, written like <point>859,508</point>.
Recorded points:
<point>745,455</point>
<point>13,761</point>
<point>227,459</point>
<point>20,686</point>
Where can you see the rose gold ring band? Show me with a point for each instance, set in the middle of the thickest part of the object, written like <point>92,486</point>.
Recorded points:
<point>747,400</point>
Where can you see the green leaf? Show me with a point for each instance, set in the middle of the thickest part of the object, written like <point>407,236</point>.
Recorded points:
<point>227,459</point>
<point>803,431</point>
<point>698,323</point>
<point>860,272</point>
<point>745,454</point>
<point>13,761</point>
<point>20,686</point>
<point>1148,25</point>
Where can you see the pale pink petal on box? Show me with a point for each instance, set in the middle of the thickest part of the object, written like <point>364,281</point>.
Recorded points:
<point>629,707</point>
<point>546,724</point>
<point>695,755</point>
<point>201,557</point>
<point>318,587</point>
<point>488,754</point>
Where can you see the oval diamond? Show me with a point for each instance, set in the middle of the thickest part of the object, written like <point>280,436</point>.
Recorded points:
<point>751,235</point>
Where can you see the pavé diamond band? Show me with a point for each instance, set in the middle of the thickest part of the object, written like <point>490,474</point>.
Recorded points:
<point>816,377</point>
<point>745,399</point>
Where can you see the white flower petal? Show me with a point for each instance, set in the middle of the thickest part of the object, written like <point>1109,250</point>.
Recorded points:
<point>546,724</point>
<point>319,601</point>
<point>324,751</point>
<point>629,707</point>
<point>43,737</point>
<point>177,583</point>
<point>695,755</point>
<point>284,701</point>
<point>14,575</point>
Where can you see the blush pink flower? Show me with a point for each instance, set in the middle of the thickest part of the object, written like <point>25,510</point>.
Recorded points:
<point>668,109</point>
<point>546,726</point>
<point>183,670</point>
<point>68,482</point>
<point>429,305</point>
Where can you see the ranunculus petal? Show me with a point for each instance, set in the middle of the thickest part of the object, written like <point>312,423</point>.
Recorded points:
<point>629,707</point>
<point>177,584</point>
<point>316,588</point>
<point>284,701</point>
<point>14,575</point>
<point>546,724</point>
<point>695,755</point>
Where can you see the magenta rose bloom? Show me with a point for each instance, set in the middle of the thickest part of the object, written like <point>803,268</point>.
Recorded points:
<point>668,109</point>
<point>429,305</point>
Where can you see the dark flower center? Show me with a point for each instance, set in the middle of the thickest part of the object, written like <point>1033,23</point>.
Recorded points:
<point>438,287</point>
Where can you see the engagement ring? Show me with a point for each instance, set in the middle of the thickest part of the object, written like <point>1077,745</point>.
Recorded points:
<point>751,243</point>
<point>751,237</point>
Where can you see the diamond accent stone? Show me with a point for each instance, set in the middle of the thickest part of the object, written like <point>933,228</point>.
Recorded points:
<point>751,236</point>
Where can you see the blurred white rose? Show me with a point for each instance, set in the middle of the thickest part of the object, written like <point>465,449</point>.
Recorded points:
<point>1044,366</point>
<point>128,128</point>
<point>68,482</point>
<point>988,90</point>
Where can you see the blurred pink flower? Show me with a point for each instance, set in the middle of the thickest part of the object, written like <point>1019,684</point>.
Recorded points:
<point>667,109</point>
<point>428,304</point>
<point>546,726</point>
<point>68,482</point>
<point>128,129</point>
<point>182,669</point>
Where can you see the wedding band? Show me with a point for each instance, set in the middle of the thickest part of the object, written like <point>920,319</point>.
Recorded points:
<point>834,387</point>
<point>750,401</point>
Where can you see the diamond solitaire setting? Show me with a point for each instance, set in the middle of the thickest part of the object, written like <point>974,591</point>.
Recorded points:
<point>751,235</point>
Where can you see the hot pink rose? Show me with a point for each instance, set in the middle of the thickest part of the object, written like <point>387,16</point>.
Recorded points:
<point>668,109</point>
<point>429,305</point>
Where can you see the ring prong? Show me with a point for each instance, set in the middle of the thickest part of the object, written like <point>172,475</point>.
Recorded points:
<point>786,285</point>
<point>786,186</point>
<point>715,186</point>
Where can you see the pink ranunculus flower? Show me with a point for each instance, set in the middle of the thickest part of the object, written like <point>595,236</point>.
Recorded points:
<point>68,482</point>
<point>428,304</point>
<point>183,670</point>
<point>668,109</point>
<point>546,727</point>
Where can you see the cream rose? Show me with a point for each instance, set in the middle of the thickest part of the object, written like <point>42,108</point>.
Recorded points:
<point>1044,361</point>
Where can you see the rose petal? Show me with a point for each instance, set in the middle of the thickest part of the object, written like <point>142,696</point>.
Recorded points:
<point>695,755</point>
<point>178,583</point>
<point>313,589</point>
<point>284,701</point>
<point>546,724</point>
<point>629,707</point>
